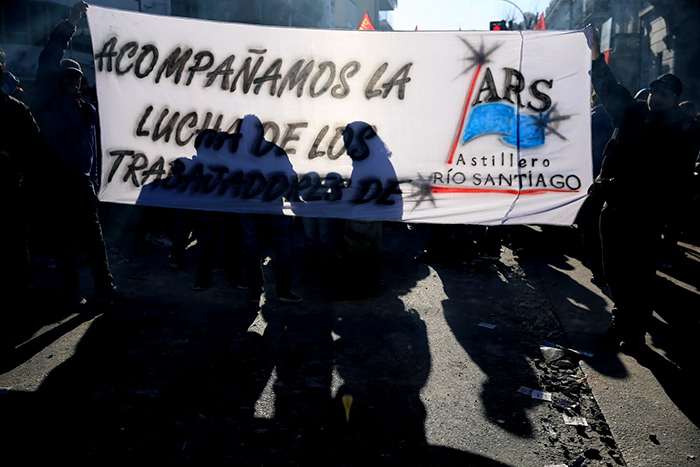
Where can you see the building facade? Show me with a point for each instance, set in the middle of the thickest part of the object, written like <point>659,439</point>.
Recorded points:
<point>646,37</point>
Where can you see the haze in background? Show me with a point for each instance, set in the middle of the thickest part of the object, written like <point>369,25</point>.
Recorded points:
<point>456,14</point>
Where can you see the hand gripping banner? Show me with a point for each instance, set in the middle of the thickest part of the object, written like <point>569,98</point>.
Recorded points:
<point>436,127</point>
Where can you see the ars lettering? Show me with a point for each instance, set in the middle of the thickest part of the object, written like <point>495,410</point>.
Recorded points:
<point>513,86</point>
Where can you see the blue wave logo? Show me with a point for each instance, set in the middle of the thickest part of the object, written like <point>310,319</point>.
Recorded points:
<point>517,130</point>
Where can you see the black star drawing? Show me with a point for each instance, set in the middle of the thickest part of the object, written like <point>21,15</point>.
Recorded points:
<point>422,190</point>
<point>478,57</point>
<point>545,121</point>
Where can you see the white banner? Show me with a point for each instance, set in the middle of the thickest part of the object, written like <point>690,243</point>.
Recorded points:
<point>438,127</point>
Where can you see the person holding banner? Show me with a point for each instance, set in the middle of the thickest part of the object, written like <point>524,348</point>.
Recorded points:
<point>649,143</point>
<point>69,124</point>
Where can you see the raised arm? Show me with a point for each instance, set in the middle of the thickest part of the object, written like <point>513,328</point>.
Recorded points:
<point>51,56</point>
<point>615,98</point>
<point>77,12</point>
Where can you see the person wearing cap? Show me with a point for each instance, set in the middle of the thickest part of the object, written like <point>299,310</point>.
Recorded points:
<point>69,123</point>
<point>643,181</point>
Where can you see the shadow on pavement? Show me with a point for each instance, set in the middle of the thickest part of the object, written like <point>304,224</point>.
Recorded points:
<point>501,353</point>
<point>177,377</point>
<point>673,330</point>
<point>481,289</point>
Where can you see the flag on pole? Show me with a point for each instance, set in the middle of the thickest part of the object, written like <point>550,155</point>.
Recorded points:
<point>366,23</point>
<point>540,23</point>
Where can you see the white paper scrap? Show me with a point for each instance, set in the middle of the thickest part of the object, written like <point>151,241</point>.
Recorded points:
<point>535,394</point>
<point>567,404</point>
<point>576,421</point>
<point>543,396</point>
<point>487,325</point>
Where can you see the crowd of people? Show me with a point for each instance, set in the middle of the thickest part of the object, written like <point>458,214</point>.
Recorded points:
<point>639,219</point>
<point>55,154</point>
<point>49,150</point>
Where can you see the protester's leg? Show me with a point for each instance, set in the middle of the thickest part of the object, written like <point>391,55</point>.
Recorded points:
<point>144,224</point>
<point>311,230</point>
<point>250,227</point>
<point>628,272</point>
<point>363,258</point>
<point>282,232</point>
<point>589,226</point>
<point>94,240</point>
<point>374,259</point>
<point>491,240</point>
<point>356,243</point>
<point>438,244</point>
<point>182,228</point>
<point>14,266</point>
<point>233,250</point>
<point>208,242</point>
<point>668,252</point>
<point>311,248</point>
<point>327,228</point>
<point>328,243</point>
<point>64,221</point>
<point>154,225</point>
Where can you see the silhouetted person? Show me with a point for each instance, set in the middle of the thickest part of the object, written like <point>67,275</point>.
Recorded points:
<point>674,229</point>
<point>21,151</point>
<point>69,125</point>
<point>371,180</point>
<point>280,226</point>
<point>220,237</point>
<point>9,83</point>
<point>322,248</point>
<point>257,169</point>
<point>643,181</point>
<point>588,219</point>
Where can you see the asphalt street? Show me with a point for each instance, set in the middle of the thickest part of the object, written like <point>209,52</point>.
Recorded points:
<point>438,369</point>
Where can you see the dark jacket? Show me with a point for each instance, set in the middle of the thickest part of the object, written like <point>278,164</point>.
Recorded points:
<point>601,130</point>
<point>22,146</point>
<point>67,122</point>
<point>645,169</point>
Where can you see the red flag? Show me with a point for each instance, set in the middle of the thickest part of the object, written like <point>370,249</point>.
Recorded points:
<point>540,23</point>
<point>366,23</point>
